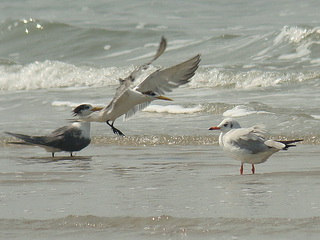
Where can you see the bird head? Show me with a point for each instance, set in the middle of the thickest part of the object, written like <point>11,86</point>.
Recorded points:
<point>84,110</point>
<point>154,96</point>
<point>226,125</point>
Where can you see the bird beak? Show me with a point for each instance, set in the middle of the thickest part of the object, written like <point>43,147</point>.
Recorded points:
<point>96,109</point>
<point>214,128</point>
<point>164,98</point>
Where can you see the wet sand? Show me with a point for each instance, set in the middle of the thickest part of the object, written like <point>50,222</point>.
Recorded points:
<point>196,188</point>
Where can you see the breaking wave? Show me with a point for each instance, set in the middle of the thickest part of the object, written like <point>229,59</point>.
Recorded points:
<point>54,74</point>
<point>72,56</point>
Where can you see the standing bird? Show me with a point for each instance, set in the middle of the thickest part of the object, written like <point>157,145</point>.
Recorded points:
<point>70,138</point>
<point>129,100</point>
<point>248,145</point>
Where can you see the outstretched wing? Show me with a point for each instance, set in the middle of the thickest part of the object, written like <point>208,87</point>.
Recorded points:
<point>162,81</point>
<point>125,83</point>
<point>135,74</point>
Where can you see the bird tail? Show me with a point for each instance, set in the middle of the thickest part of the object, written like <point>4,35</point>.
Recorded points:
<point>26,138</point>
<point>289,143</point>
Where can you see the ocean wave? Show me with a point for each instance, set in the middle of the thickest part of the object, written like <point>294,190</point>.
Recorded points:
<point>213,77</point>
<point>295,34</point>
<point>55,74</point>
<point>242,110</point>
<point>172,109</point>
<point>39,54</point>
<point>291,47</point>
<point>166,225</point>
<point>303,39</point>
<point>28,40</point>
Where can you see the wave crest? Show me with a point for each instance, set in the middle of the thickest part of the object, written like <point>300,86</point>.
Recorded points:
<point>213,77</point>
<point>297,34</point>
<point>55,74</point>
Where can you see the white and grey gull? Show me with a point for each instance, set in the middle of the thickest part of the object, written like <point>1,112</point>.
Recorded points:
<point>248,145</point>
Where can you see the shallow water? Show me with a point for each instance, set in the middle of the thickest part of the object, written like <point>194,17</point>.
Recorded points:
<point>167,179</point>
<point>158,192</point>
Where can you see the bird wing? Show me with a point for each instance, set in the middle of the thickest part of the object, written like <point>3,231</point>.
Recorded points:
<point>162,81</point>
<point>126,83</point>
<point>36,140</point>
<point>49,140</point>
<point>249,139</point>
<point>66,138</point>
<point>136,109</point>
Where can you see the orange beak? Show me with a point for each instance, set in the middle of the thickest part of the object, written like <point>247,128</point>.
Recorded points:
<point>164,98</point>
<point>214,128</point>
<point>96,109</point>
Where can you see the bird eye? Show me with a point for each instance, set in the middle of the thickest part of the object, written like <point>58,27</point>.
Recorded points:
<point>225,125</point>
<point>149,93</point>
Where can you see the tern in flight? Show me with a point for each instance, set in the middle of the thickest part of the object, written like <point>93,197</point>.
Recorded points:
<point>70,138</point>
<point>248,145</point>
<point>130,99</point>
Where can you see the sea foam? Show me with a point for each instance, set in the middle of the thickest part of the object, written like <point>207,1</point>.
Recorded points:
<point>173,109</point>
<point>55,74</point>
<point>242,110</point>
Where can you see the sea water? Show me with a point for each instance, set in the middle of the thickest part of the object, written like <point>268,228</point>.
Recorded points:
<point>168,178</point>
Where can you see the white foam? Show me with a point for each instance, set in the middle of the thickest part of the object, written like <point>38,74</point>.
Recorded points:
<point>71,104</point>
<point>242,110</point>
<point>172,109</point>
<point>119,53</point>
<point>107,47</point>
<point>294,34</point>
<point>301,51</point>
<point>63,104</point>
<point>216,78</point>
<point>54,74</point>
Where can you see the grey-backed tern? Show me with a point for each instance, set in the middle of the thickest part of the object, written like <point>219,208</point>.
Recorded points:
<point>70,138</point>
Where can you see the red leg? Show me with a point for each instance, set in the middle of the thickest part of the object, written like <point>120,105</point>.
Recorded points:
<point>241,169</point>
<point>253,169</point>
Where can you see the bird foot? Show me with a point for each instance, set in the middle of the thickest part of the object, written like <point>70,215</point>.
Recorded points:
<point>253,170</point>
<point>241,169</point>
<point>117,131</point>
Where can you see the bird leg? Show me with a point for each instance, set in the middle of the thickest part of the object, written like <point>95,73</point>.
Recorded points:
<point>253,169</point>
<point>241,169</point>
<point>115,130</point>
<point>71,154</point>
<point>52,154</point>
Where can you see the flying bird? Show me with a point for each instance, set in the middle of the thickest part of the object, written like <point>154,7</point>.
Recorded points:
<point>70,138</point>
<point>248,145</point>
<point>130,99</point>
